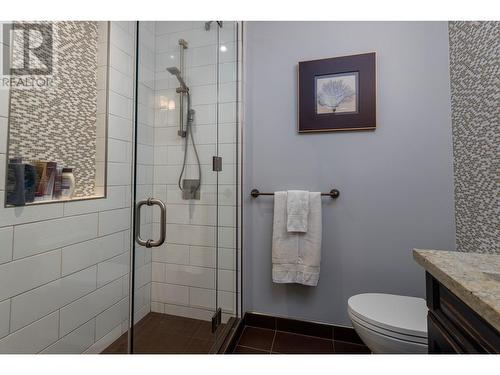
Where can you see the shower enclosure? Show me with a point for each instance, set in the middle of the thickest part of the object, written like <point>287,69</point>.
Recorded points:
<point>185,289</point>
<point>152,266</point>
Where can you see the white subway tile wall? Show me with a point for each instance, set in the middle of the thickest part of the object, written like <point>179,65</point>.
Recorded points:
<point>184,268</point>
<point>64,266</point>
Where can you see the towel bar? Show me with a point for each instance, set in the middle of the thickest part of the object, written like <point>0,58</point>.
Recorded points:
<point>334,193</point>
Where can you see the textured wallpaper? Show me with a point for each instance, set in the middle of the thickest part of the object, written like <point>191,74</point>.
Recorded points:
<point>475,103</point>
<point>59,123</point>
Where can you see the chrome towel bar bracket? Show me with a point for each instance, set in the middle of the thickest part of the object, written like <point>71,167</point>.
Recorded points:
<point>334,193</point>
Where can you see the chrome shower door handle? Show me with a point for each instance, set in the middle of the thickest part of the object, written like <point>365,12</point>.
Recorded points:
<point>163,222</point>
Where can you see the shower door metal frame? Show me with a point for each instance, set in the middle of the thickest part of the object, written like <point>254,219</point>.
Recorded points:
<point>133,203</point>
<point>239,42</point>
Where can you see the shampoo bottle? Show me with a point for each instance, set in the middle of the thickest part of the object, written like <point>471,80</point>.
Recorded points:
<point>14,189</point>
<point>29,182</point>
<point>67,183</point>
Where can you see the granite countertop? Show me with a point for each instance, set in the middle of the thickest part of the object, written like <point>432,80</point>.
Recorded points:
<point>466,275</point>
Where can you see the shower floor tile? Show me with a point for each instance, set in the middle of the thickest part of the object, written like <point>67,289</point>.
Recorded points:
<point>167,334</point>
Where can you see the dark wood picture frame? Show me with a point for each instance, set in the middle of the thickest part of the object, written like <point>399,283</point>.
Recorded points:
<point>361,116</point>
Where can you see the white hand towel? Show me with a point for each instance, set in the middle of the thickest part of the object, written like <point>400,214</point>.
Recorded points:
<point>296,257</point>
<point>297,207</point>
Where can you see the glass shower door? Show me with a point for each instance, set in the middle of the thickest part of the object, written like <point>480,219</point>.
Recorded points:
<point>181,296</point>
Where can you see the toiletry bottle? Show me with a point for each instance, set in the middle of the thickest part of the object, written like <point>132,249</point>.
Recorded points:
<point>58,183</point>
<point>51,176</point>
<point>41,179</point>
<point>14,189</point>
<point>68,183</point>
<point>29,182</point>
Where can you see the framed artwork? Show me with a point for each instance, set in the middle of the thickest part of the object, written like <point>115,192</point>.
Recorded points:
<point>337,94</point>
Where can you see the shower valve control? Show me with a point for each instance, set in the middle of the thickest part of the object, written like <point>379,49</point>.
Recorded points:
<point>217,164</point>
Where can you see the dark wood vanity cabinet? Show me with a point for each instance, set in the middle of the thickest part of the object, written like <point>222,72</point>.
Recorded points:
<point>453,327</point>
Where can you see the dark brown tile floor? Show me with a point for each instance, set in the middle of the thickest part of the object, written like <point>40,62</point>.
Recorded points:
<point>255,340</point>
<point>167,334</point>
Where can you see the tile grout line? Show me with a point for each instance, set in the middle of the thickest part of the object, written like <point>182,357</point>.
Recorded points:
<point>303,334</point>
<point>71,274</point>
<point>62,307</point>
<point>97,236</point>
<point>274,338</point>
<point>351,343</point>
<point>239,338</point>
<point>250,347</point>
<point>70,244</point>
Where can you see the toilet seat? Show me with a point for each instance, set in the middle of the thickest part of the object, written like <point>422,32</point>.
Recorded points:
<point>400,317</point>
<point>385,332</point>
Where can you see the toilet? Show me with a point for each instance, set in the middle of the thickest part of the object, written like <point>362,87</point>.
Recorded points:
<point>389,323</point>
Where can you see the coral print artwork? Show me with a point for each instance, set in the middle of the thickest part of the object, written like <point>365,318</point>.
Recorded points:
<point>336,93</point>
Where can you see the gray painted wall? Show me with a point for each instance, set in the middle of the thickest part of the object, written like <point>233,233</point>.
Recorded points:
<point>396,183</point>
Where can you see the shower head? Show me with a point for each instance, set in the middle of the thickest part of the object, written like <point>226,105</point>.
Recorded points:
<point>176,72</point>
<point>209,23</point>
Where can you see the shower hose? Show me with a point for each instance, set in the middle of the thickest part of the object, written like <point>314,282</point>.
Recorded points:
<point>189,133</point>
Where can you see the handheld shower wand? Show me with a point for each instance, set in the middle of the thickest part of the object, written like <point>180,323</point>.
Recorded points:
<point>176,72</point>
<point>190,188</point>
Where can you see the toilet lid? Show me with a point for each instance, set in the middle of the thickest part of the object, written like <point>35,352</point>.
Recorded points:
<point>402,314</point>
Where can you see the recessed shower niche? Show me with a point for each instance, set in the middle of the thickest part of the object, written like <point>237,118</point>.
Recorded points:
<point>58,127</point>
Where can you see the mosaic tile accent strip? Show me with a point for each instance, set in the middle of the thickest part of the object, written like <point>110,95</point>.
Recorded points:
<point>475,97</point>
<point>59,123</point>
